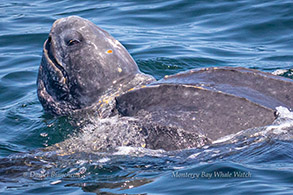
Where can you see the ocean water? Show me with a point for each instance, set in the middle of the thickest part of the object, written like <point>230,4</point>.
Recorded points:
<point>164,37</point>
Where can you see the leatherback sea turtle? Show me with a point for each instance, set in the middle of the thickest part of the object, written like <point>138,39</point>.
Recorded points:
<point>84,69</point>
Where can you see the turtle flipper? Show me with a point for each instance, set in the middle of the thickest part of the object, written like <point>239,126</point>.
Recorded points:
<point>194,109</point>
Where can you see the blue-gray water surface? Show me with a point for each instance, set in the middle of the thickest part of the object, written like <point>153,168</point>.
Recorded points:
<point>164,37</point>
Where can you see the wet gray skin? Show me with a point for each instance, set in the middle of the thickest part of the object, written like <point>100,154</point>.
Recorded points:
<point>85,69</point>
<point>81,63</point>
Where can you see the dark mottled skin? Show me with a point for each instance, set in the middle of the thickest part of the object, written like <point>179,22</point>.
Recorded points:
<point>80,63</point>
<point>85,68</point>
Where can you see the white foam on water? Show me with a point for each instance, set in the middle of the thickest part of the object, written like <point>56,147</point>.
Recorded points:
<point>240,148</point>
<point>227,137</point>
<point>279,71</point>
<point>138,151</point>
<point>178,168</point>
<point>125,150</point>
<point>284,112</point>
<point>104,160</point>
<point>55,182</point>
<point>194,155</point>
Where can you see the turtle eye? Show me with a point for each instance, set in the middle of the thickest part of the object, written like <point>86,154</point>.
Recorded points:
<point>72,42</point>
<point>72,38</point>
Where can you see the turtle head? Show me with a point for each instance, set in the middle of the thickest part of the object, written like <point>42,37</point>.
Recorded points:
<point>80,62</point>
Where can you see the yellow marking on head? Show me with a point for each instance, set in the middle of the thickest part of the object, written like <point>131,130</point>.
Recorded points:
<point>109,51</point>
<point>143,86</point>
<point>131,89</point>
<point>119,70</point>
<point>101,105</point>
<point>143,145</point>
<point>100,101</point>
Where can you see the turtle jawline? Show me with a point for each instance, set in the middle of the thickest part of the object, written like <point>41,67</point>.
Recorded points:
<point>53,59</point>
